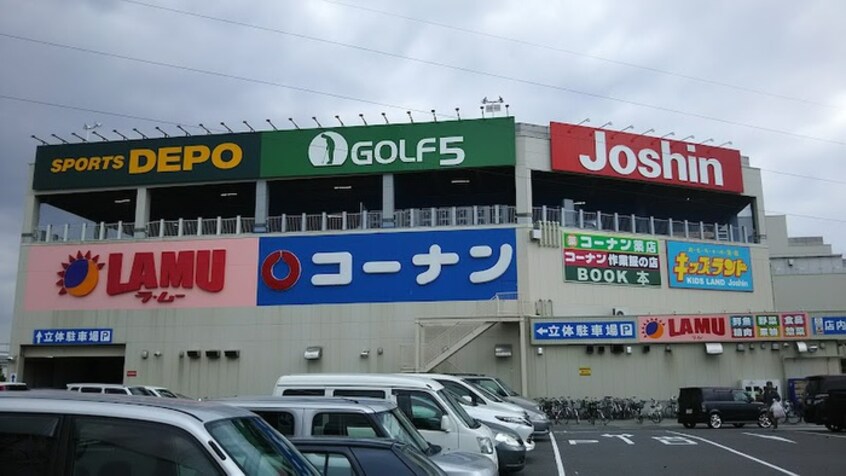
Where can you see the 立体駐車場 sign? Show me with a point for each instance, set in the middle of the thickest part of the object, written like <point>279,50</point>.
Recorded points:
<point>621,155</point>
<point>147,162</point>
<point>707,266</point>
<point>584,331</point>
<point>606,259</point>
<point>389,148</point>
<point>82,336</point>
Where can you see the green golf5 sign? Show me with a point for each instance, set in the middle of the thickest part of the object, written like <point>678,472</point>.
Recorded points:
<point>388,148</point>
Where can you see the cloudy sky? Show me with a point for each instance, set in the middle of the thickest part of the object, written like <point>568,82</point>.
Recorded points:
<point>766,75</point>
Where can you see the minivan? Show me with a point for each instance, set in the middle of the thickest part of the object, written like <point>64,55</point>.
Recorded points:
<point>483,406</point>
<point>110,388</point>
<point>435,413</point>
<point>302,417</point>
<point>717,405</point>
<point>54,432</point>
<point>817,390</point>
<point>501,389</point>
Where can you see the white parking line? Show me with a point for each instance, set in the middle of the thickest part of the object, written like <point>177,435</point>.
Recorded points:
<point>732,450</point>
<point>558,463</point>
<point>819,433</point>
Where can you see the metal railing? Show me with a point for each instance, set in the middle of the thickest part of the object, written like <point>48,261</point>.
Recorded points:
<point>409,218</point>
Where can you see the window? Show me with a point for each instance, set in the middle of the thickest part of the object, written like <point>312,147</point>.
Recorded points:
<point>118,391</point>
<point>119,446</point>
<point>398,427</point>
<point>458,409</point>
<point>461,391</point>
<point>91,390</point>
<point>282,421</point>
<point>27,443</point>
<point>360,393</point>
<point>380,461</point>
<point>423,410</point>
<point>355,425</point>
<point>331,464</point>
<point>304,392</point>
<point>490,386</point>
<point>137,391</point>
<point>257,449</point>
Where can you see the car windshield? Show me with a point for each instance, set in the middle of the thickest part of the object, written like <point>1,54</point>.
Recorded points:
<point>399,428</point>
<point>258,449</point>
<point>510,391</point>
<point>458,409</point>
<point>163,392</point>
<point>488,394</point>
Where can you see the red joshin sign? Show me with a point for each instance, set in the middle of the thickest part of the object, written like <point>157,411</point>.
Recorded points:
<point>587,150</point>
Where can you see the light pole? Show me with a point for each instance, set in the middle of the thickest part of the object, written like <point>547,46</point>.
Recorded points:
<point>90,128</point>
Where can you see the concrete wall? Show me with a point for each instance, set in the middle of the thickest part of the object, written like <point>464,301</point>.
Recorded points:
<point>811,292</point>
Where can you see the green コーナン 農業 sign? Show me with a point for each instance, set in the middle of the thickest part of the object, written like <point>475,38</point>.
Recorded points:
<point>388,148</point>
<point>147,162</point>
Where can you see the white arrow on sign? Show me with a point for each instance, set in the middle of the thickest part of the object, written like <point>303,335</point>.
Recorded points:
<point>623,436</point>
<point>771,437</point>
<point>581,442</point>
<point>38,337</point>
<point>542,331</point>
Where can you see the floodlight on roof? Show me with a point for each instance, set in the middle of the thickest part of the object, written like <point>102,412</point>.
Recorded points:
<point>227,127</point>
<point>205,128</point>
<point>121,135</point>
<point>78,136</point>
<point>43,142</point>
<point>163,132</point>
<point>139,133</point>
<point>57,137</point>
<point>271,124</point>
<point>294,123</point>
<point>248,126</point>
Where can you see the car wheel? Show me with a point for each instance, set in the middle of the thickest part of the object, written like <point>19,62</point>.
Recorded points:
<point>738,425</point>
<point>689,425</point>
<point>834,427</point>
<point>715,421</point>
<point>764,421</point>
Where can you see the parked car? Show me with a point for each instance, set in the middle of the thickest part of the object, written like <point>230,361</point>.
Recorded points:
<point>435,413</point>
<point>818,388</point>
<point>13,386</point>
<point>501,389</point>
<point>162,392</point>
<point>484,408</point>
<point>110,388</point>
<point>834,411</point>
<point>302,417</point>
<point>718,405</point>
<point>50,432</point>
<point>365,457</point>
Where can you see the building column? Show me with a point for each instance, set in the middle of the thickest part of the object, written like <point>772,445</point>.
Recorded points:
<point>523,188</point>
<point>142,212</point>
<point>31,215</point>
<point>262,207</point>
<point>388,201</point>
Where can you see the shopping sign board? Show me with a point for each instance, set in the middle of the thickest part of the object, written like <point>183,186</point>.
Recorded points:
<point>388,267</point>
<point>606,259</point>
<point>581,331</point>
<point>830,326</point>
<point>75,336</point>
<point>147,162</point>
<point>706,266</point>
<point>723,327</point>
<point>620,155</point>
<point>178,274</point>
<point>389,148</point>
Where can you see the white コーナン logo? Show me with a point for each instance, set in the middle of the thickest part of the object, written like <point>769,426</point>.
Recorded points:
<point>328,149</point>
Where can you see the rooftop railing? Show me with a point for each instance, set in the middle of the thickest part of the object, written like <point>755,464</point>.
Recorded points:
<point>408,218</point>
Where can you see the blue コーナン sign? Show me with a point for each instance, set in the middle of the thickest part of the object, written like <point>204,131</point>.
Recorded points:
<point>388,267</point>
<point>707,266</point>
<point>85,336</point>
<point>584,330</point>
<point>830,326</point>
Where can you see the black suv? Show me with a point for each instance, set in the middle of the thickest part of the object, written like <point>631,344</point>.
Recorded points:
<point>718,405</point>
<point>818,390</point>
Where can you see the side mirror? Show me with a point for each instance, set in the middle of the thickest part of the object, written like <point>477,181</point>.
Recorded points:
<point>446,424</point>
<point>467,399</point>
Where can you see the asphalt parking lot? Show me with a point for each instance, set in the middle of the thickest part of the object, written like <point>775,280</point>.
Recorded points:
<point>669,448</point>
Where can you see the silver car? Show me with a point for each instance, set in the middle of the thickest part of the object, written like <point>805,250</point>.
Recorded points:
<point>59,432</point>
<point>357,418</point>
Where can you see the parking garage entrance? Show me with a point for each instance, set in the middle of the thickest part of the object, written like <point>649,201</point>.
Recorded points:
<point>57,366</point>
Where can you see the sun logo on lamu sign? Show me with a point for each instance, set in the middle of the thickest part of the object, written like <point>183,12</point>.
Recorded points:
<point>652,328</point>
<point>79,275</point>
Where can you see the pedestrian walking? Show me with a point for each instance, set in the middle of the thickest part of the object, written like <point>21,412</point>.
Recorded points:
<point>771,399</point>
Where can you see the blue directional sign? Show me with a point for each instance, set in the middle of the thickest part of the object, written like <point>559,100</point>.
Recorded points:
<point>830,326</point>
<point>581,331</point>
<point>457,265</point>
<point>84,336</point>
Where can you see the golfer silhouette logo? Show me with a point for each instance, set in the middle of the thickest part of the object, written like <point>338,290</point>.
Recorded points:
<point>328,149</point>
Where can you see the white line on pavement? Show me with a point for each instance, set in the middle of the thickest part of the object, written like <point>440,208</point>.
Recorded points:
<point>558,463</point>
<point>819,433</point>
<point>771,437</point>
<point>732,450</point>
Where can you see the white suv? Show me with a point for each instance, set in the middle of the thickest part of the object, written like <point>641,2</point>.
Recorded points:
<point>110,388</point>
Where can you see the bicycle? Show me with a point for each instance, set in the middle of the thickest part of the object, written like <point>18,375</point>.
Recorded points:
<point>791,414</point>
<point>654,412</point>
<point>594,413</point>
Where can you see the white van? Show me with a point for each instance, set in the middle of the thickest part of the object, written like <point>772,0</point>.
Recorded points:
<point>483,408</point>
<point>433,411</point>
